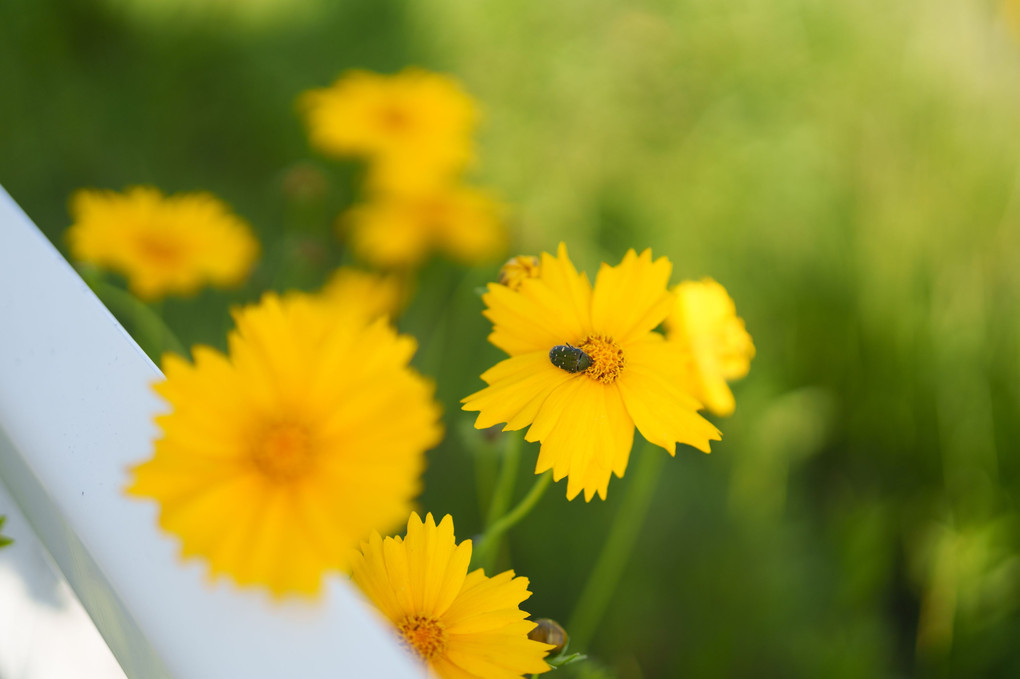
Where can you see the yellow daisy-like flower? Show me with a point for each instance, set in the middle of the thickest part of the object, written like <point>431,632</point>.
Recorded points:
<point>401,230</point>
<point>585,367</point>
<point>463,625</point>
<point>277,459</point>
<point>163,245</point>
<point>704,323</point>
<point>415,126</point>
<point>364,293</point>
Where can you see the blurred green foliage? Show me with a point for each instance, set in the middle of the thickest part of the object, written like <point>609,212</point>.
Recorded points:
<point>847,168</point>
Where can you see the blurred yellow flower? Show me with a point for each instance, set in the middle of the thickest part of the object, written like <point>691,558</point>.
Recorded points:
<point>415,126</point>
<point>163,245</point>
<point>367,294</point>
<point>518,269</point>
<point>401,230</point>
<point>585,367</point>
<point>277,459</point>
<point>705,324</point>
<point>462,625</point>
<point>1011,13</point>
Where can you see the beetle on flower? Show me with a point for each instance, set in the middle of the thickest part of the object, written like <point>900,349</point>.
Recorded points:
<point>585,418</point>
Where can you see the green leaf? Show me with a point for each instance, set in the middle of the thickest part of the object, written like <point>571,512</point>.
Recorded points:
<point>4,541</point>
<point>564,660</point>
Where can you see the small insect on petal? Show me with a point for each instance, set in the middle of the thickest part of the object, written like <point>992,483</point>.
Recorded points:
<point>571,359</point>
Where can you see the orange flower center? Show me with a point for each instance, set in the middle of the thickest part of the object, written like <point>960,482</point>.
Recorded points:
<point>284,453</point>
<point>159,250</point>
<point>434,212</point>
<point>606,356</point>
<point>426,636</point>
<point>394,118</point>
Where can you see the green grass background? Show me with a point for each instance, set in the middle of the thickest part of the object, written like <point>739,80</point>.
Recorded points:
<point>847,168</point>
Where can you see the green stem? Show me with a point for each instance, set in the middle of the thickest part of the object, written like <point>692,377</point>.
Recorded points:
<point>150,331</point>
<point>504,490</point>
<point>612,561</point>
<point>489,543</point>
<point>443,309</point>
<point>484,456</point>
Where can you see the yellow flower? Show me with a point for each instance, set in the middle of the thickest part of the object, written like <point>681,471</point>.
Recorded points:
<point>1011,13</point>
<point>401,230</point>
<point>518,269</point>
<point>704,323</point>
<point>585,415</point>
<point>367,294</point>
<point>415,126</point>
<point>463,625</point>
<point>277,459</point>
<point>163,245</point>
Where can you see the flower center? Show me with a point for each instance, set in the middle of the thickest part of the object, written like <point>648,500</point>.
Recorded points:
<point>284,453</point>
<point>606,356</point>
<point>434,211</point>
<point>394,118</point>
<point>162,251</point>
<point>426,636</point>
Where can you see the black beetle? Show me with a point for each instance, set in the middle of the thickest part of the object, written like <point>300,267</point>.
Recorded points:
<point>571,359</point>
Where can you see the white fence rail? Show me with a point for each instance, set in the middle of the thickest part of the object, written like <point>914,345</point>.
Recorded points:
<point>75,411</point>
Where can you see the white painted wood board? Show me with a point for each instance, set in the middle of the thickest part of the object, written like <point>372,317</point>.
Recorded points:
<point>76,411</point>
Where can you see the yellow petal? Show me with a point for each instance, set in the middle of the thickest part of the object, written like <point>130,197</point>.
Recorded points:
<point>631,299</point>
<point>704,323</point>
<point>586,434</point>
<point>398,571</point>
<point>519,387</point>
<point>368,571</point>
<point>713,389</point>
<point>481,597</point>
<point>664,413</point>
<point>544,312</point>
<point>445,669</point>
<point>437,565</point>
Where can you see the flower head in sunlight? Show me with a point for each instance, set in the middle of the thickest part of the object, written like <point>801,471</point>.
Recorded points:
<point>586,367</point>
<point>414,126</point>
<point>704,323</point>
<point>277,459</point>
<point>401,230</point>
<point>463,625</point>
<point>366,294</point>
<point>162,244</point>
